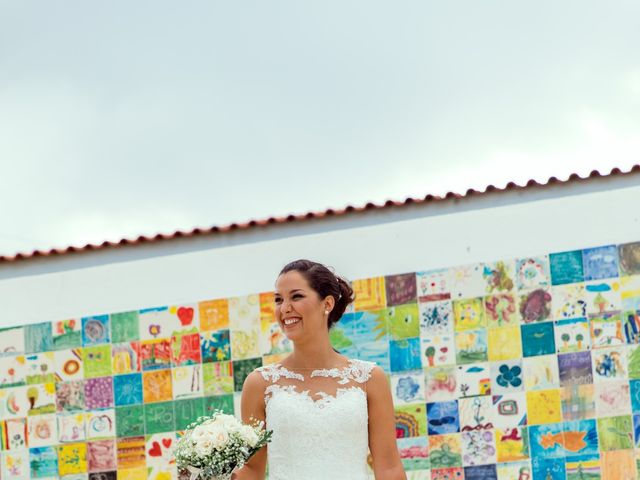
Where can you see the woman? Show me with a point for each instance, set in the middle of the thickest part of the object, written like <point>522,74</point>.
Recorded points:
<point>326,410</point>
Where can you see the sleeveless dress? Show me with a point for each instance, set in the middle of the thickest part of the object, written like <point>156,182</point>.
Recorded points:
<point>319,420</point>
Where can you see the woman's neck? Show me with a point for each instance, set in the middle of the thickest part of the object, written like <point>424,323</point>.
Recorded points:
<point>316,355</point>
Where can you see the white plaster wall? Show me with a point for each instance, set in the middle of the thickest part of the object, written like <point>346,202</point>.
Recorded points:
<point>512,230</point>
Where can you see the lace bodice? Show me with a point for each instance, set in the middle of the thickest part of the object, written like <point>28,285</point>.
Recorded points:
<point>319,420</point>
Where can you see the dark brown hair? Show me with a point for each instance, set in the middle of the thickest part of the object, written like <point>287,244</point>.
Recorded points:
<point>324,282</point>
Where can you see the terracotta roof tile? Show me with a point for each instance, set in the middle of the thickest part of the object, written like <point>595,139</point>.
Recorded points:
<point>574,177</point>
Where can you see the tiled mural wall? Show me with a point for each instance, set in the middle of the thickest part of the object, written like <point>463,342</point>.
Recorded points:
<point>516,369</point>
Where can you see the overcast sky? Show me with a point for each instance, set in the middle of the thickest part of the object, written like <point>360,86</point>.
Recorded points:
<point>129,117</point>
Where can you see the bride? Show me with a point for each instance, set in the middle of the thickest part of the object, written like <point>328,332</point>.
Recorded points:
<point>326,410</point>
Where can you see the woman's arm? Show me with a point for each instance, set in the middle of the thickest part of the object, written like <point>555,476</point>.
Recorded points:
<point>253,408</point>
<point>382,429</point>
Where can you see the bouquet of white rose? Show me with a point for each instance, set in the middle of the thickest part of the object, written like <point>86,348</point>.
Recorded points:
<point>213,447</point>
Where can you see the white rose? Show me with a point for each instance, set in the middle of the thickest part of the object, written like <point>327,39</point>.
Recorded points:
<point>220,437</point>
<point>249,435</point>
<point>199,432</point>
<point>204,447</point>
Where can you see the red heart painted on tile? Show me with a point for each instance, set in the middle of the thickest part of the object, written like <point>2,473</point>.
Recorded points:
<point>155,450</point>
<point>444,349</point>
<point>185,314</point>
<point>166,442</point>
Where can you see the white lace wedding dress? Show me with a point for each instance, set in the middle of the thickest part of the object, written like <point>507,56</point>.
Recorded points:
<point>319,420</point>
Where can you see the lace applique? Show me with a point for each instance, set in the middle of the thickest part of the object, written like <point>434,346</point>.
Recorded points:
<point>323,401</point>
<point>275,371</point>
<point>357,370</point>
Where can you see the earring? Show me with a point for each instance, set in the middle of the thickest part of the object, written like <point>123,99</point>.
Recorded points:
<point>326,312</point>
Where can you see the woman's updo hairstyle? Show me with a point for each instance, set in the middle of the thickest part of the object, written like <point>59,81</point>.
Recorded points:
<point>324,282</point>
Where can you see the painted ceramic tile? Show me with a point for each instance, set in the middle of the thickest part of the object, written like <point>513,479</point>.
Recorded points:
<point>70,396</point>
<point>244,312</point>
<point>631,326</point>
<point>411,420</point>
<point>575,368</point>
<point>159,417</point>
<point>127,389</point>
<point>480,472</point>
<point>370,294</point>
<point>96,361</point>
<point>545,468</point>
<point>125,358</point>
<point>131,453</point>
<point>40,368</point>
<point>514,471</point>
<point>14,402</point>
<point>499,276</point>
<point>606,330</point>
<point>438,350</point>
<point>600,262</point>
<point>130,421</point>
<point>475,413</point>
<point>187,381</point>
<point>501,310</point>
<point>403,321</point>
<point>214,314</point>
<point>13,371</point>
<point>445,450</point>
<point>157,386</point>
<point>125,327</point>
<point>400,289</point>
<point>512,444</point>
<point>69,365</point>
<point>538,339</point>
<point>42,430</point>
<point>509,410</point>
<point>541,373</point>
<point>585,466</point>
<point>566,267</point>
<point>101,424</point>
<point>41,398</point>
<point>618,464</point>
<point>504,343</point>
<point>447,473</point>
<point>467,281</point>
<point>43,462</point>
<point>478,448</point>
<point>474,379</point>
<point>441,383</point>
<point>578,402</point>
<point>245,344</point>
<point>155,323</point>
<point>544,407</point>
<point>629,256</point>
<point>372,326</point>
<point>14,434</point>
<point>630,292</point>
<point>217,378</point>
<point>569,301</point>
<point>548,440</point>
<point>215,346</point>
<point>436,317</point>
<point>377,352</point>
<point>408,387</point>
<point>634,392</point>
<point>95,330</point>
<point>11,341</point>
<point>101,456</point>
<point>609,364</point>
<point>66,334</point>
<point>612,398</point>
<point>414,452</point>
<point>535,305</point>
<point>159,455</point>
<point>471,346</point>
<point>580,438</point>
<point>433,285</point>
<point>38,338</point>
<point>185,349</point>
<point>72,458</point>
<point>71,428</point>
<point>507,377</point>
<point>469,314</point>
<point>615,433</point>
<point>633,363</point>
<point>532,273</point>
<point>98,392</point>
<point>405,354</point>
<point>155,354</point>
<point>572,335</point>
<point>15,465</point>
<point>442,418</point>
<point>603,296</point>
<point>242,368</point>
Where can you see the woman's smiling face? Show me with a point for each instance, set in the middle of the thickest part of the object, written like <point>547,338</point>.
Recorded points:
<point>299,309</point>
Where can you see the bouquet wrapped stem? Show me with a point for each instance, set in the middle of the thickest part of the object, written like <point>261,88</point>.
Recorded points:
<point>213,447</point>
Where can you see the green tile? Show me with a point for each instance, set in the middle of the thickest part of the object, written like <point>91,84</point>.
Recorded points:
<point>129,421</point>
<point>125,327</point>
<point>187,411</point>
<point>159,417</point>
